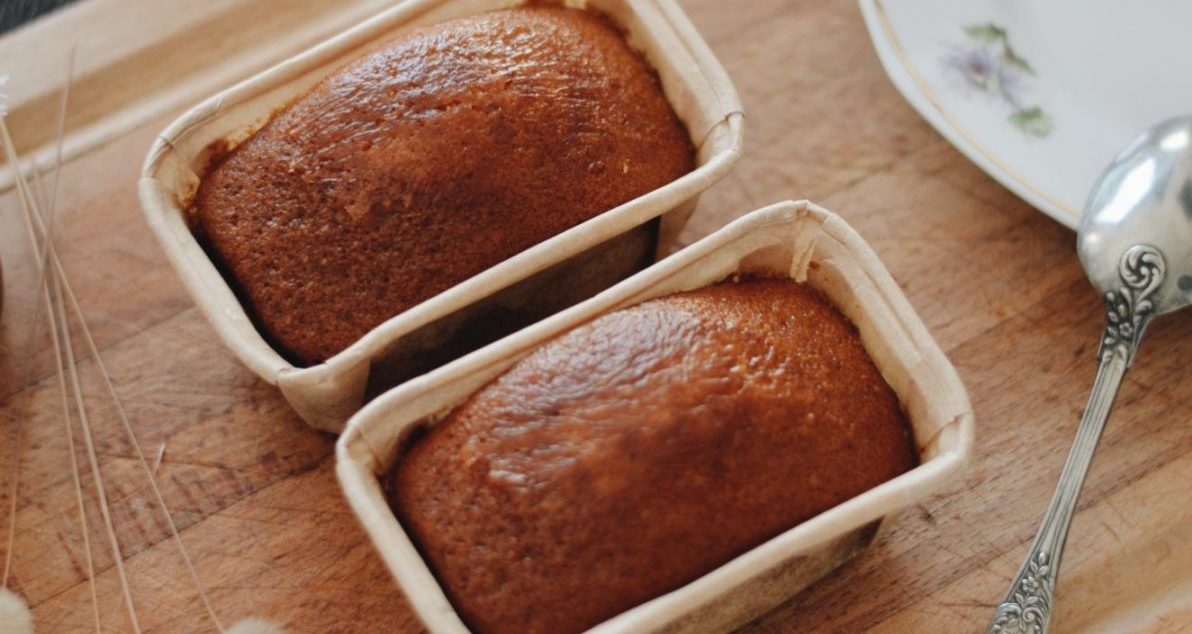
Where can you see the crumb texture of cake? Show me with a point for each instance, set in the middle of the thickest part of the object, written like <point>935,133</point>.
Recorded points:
<point>447,151</point>
<point>643,449</point>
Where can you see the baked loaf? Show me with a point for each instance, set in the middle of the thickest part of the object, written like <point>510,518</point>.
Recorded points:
<point>637,452</point>
<point>451,149</point>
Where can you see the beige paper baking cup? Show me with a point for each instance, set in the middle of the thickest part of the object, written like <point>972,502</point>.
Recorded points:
<point>796,238</point>
<point>326,394</point>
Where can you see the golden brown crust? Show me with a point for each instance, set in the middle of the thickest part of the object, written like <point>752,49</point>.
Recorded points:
<point>643,449</point>
<point>427,162</point>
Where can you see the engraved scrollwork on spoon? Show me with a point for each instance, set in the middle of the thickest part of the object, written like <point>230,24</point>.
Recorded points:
<point>1142,269</point>
<point>1027,612</point>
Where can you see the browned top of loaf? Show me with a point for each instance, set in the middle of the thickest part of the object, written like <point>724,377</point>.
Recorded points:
<point>642,450</point>
<point>429,161</point>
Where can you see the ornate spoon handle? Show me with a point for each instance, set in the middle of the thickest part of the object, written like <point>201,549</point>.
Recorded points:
<point>1027,606</point>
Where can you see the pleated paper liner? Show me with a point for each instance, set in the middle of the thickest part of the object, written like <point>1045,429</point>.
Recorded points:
<point>511,294</point>
<point>813,246</point>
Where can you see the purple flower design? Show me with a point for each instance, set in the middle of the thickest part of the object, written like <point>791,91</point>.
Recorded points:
<point>976,66</point>
<point>988,64</point>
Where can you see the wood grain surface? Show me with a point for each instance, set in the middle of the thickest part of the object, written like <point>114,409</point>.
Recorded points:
<point>252,488</point>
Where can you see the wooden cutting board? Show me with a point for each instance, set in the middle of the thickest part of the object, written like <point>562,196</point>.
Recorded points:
<point>253,490</point>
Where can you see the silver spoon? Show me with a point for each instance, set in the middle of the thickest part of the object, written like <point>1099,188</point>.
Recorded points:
<point>1135,242</point>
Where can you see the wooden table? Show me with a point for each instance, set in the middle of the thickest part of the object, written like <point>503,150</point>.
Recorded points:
<point>252,487</point>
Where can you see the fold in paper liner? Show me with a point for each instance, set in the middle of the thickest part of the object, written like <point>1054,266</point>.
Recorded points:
<point>600,251</point>
<point>809,244</point>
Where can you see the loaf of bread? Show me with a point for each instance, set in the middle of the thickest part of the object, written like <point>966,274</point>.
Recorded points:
<point>428,161</point>
<point>637,452</point>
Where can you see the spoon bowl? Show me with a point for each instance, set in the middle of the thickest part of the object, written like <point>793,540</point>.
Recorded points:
<point>1144,197</point>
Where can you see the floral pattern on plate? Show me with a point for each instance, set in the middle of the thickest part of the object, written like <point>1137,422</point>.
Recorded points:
<point>989,65</point>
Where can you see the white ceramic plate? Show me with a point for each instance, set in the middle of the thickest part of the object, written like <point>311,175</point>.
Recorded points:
<point>1040,95</point>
